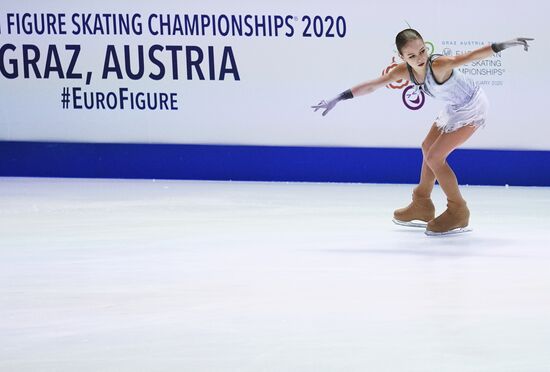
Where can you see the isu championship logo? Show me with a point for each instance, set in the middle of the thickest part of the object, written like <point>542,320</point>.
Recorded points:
<point>413,98</point>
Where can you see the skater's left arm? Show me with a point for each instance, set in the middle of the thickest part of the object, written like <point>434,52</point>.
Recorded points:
<point>448,63</point>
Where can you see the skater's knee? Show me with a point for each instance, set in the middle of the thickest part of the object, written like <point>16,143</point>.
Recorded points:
<point>434,159</point>
<point>425,148</point>
<point>430,139</point>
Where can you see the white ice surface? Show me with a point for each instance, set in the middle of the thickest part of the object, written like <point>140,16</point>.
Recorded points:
<point>135,275</point>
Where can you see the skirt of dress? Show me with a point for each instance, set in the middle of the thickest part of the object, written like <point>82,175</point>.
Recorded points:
<point>473,113</point>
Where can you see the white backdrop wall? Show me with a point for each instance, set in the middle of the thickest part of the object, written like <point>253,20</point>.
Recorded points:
<point>280,77</point>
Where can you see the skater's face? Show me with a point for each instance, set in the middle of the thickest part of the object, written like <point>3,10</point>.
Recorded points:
<point>415,53</point>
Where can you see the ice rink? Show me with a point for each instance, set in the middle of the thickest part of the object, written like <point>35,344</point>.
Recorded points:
<point>142,275</point>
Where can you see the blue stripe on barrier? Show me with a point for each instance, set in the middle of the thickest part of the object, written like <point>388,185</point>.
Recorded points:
<point>264,163</point>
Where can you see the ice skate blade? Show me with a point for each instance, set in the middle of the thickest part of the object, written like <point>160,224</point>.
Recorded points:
<point>450,232</point>
<point>415,223</point>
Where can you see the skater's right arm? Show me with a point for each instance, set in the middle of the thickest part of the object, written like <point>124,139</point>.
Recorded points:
<point>398,73</point>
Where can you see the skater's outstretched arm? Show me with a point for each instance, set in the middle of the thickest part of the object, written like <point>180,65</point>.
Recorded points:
<point>448,63</point>
<point>398,73</point>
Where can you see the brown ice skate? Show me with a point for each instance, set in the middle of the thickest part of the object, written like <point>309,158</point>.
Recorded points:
<point>454,220</point>
<point>416,214</point>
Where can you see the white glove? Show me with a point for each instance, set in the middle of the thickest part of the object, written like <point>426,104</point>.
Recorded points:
<point>497,47</point>
<point>330,104</point>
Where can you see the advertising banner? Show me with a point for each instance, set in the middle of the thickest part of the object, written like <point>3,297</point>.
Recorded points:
<point>247,73</point>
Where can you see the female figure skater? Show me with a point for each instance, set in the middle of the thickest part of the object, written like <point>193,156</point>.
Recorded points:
<point>465,112</point>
